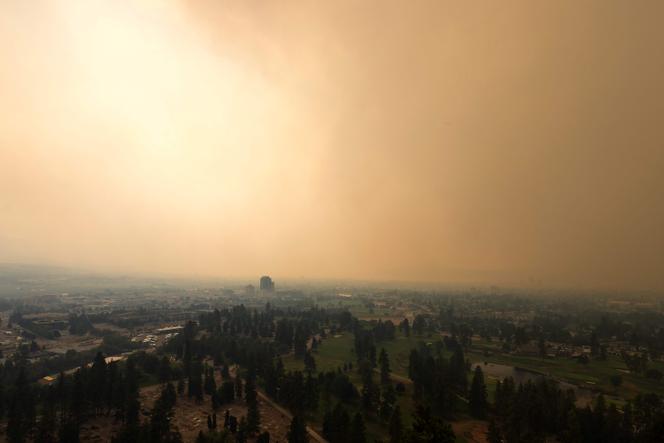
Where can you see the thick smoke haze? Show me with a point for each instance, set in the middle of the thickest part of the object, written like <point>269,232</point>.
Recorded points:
<point>512,142</point>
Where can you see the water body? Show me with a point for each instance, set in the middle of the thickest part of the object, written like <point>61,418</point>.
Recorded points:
<point>584,396</point>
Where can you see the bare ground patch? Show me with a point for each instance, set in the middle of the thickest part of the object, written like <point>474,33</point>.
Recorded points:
<point>474,431</point>
<point>190,417</point>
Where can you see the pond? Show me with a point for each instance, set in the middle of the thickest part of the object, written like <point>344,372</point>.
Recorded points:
<point>584,396</point>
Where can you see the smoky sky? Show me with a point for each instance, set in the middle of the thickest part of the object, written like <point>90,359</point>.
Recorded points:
<point>510,142</point>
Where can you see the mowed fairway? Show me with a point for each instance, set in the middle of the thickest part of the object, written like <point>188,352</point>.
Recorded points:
<point>399,349</point>
<point>335,351</point>
<point>594,375</point>
<point>332,353</point>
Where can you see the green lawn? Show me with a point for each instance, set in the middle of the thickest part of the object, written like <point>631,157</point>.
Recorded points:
<point>594,375</point>
<point>399,349</point>
<point>330,355</point>
<point>334,352</point>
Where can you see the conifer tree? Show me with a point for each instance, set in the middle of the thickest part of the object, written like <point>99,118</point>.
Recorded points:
<point>238,386</point>
<point>493,434</point>
<point>253,416</point>
<point>357,433</point>
<point>297,433</point>
<point>384,367</point>
<point>21,414</point>
<point>478,395</point>
<point>396,426</point>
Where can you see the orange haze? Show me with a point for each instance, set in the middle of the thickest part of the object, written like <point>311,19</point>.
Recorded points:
<point>483,142</point>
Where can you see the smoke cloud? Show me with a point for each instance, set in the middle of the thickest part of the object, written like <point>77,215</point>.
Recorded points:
<point>494,142</point>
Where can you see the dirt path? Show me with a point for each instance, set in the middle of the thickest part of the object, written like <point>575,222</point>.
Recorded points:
<point>474,431</point>
<point>313,434</point>
<point>281,410</point>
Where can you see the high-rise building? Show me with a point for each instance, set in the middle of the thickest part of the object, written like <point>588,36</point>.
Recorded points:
<point>266,283</point>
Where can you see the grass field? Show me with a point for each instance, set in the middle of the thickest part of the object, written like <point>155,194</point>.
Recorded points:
<point>332,354</point>
<point>594,375</point>
<point>335,351</point>
<point>399,349</point>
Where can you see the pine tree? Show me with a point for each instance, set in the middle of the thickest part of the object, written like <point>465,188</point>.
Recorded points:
<point>241,436</point>
<point>358,431</point>
<point>599,418</point>
<point>98,377</point>
<point>297,432</point>
<point>46,428</point>
<point>396,426</point>
<point>309,363</point>
<point>69,433</point>
<point>77,402</point>
<point>573,432</point>
<point>162,413</point>
<point>181,386</point>
<point>271,381</point>
<point>389,397</point>
<point>300,341</point>
<point>627,424</point>
<point>165,372</point>
<point>128,409</point>
<point>405,326</point>
<point>493,434</point>
<point>226,392</point>
<point>253,416</point>
<point>370,394</point>
<point>186,357</point>
<point>427,428</point>
<point>336,425</point>
<point>133,405</point>
<point>372,355</point>
<point>2,401</point>
<point>458,369</point>
<point>384,367</point>
<point>195,383</point>
<point>215,399</point>
<point>112,385</point>
<point>311,394</point>
<point>210,383</point>
<point>21,413</point>
<point>238,386</point>
<point>612,423</point>
<point>478,395</point>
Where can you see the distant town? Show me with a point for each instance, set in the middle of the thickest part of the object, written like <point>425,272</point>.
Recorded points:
<point>261,362</point>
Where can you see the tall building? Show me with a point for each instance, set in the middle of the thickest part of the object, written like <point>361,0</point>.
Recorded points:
<point>266,283</point>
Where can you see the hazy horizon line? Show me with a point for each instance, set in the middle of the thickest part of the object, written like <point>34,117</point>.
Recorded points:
<point>291,282</point>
